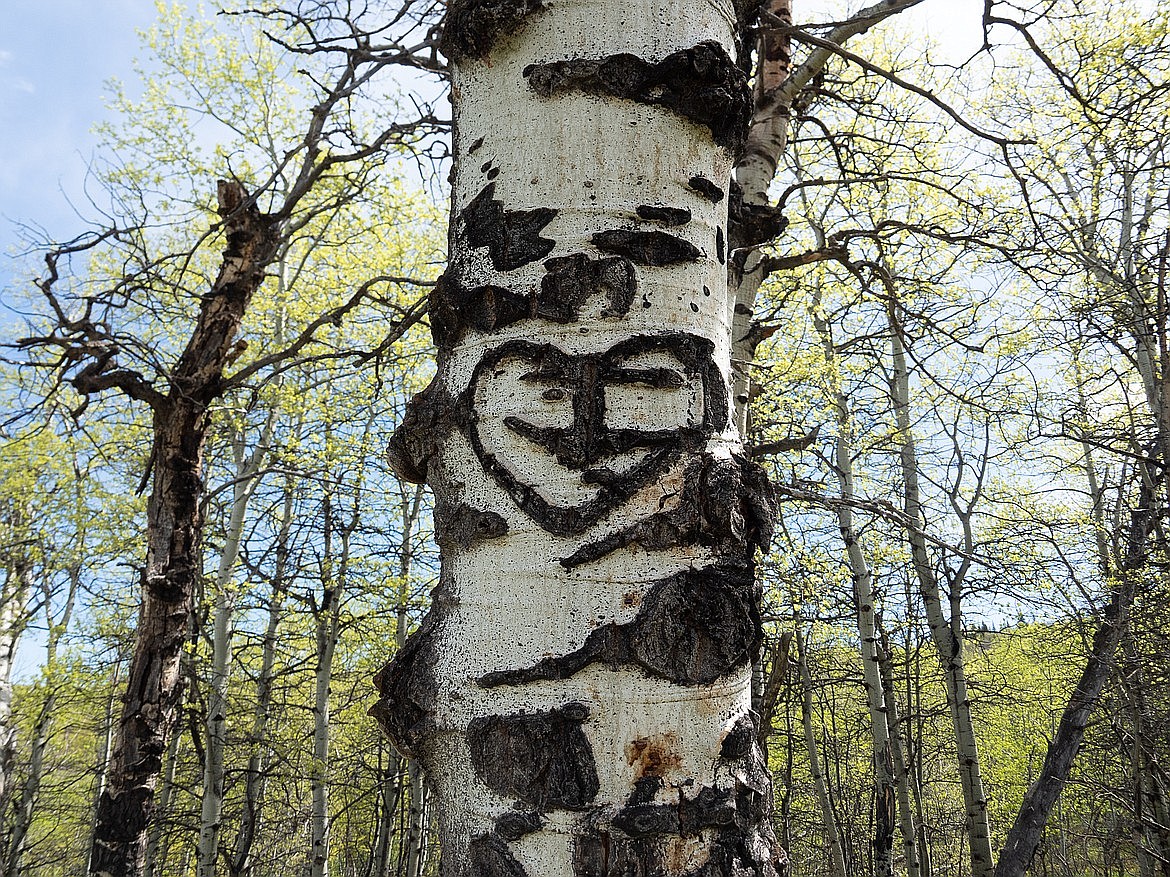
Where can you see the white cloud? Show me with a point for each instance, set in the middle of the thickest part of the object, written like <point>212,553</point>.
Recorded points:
<point>5,56</point>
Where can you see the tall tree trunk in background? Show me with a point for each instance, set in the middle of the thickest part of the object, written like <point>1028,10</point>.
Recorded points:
<point>174,536</point>
<point>1124,566</point>
<point>327,623</point>
<point>244,484</point>
<point>241,862</point>
<point>946,632</point>
<point>105,748</point>
<point>820,786</point>
<point>413,841</point>
<point>390,793</point>
<point>55,629</point>
<point>579,694</point>
<point>326,617</point>
<point>865,610</point>
<point>13,618</point>
<point>910,841</point>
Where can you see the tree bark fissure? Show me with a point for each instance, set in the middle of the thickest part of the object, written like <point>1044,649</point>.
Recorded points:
<point>174,559</point>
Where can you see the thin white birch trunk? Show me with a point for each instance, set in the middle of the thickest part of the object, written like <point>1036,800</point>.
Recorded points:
<point>327,621</point>
<point>580,693</point>
<point>245,482</point>
<point>13,617</point>
<point>947,633</point>
<point>104,749</point>
<point>820,786</point>
<point>898,755</point>
<point>255,782</point>
<point>865,611</point>
<point>25,807</point>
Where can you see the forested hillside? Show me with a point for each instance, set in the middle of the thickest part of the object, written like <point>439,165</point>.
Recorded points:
<point>956,372</point>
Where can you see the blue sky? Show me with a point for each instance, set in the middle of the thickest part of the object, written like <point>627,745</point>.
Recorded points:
<point>55,58</point>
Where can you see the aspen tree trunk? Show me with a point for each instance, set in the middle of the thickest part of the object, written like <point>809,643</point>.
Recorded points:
<point>820,786</point>
<point>215,732</point>
<point>327,617</point>
<point>947,633</point>
<point>327,622</point>
<point>413,840</point>
<point>579,694</point>
<point>106,748</point>
<point>26,803</point>
<point>242,862</point>
<point>866,615</point>
<point>174,560</point>
<point>13,617</point>
<point>389,797</point>
<point>898,755</point>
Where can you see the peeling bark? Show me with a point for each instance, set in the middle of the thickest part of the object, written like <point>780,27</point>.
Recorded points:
<point>174,560</point>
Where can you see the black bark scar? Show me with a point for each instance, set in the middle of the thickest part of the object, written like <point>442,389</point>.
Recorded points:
<point>463,527</point>
<point>490,857</point>
<point>706,188</point>
<point>541,759</point>
<point>407,683</point>
<point>671,216</point>
<point>702,84</point>
<point>587,444</point>
<point>654,248</point>
<point>727,504</point>
<point>570,282</point>
<point>472,27</point>
<point>693,628</point>
<point>749,225</point>
<point>511,236</point>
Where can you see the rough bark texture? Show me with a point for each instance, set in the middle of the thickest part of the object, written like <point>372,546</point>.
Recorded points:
<point>175,540</point>
<point>579,693</point>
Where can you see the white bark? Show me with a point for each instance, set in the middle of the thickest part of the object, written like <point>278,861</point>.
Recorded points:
<point>820,785</point>
<point>586,489</point>
<point>255,781</point>
<point>215,733</point>
<point>865,610</point>
<point>13,617</point>
<point>26,802</point>
<point>947,633</point>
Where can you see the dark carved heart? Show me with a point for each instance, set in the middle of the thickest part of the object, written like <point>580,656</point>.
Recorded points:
<point>542,420</point>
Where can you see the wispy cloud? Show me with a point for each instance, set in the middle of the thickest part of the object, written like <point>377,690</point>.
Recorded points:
<point>20,84</point>
<point>5,56</point>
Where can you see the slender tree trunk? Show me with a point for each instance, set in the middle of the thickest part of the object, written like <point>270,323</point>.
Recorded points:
<point>13,616</point>
<point>55,627</point>
<point>414,828</point>
<point>105,749</point>
<point>1024,837</point>
<point>327,619</point>
<point>174,535</point>
<point>898,755</point>
<point>390,792</point>
<point>865,608</point>
<point>820,786</point>
<point>947,633</point>
<point>25,807</point>
<point>579,695</point>
<point>242,861</point>
<point>245,482</point>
